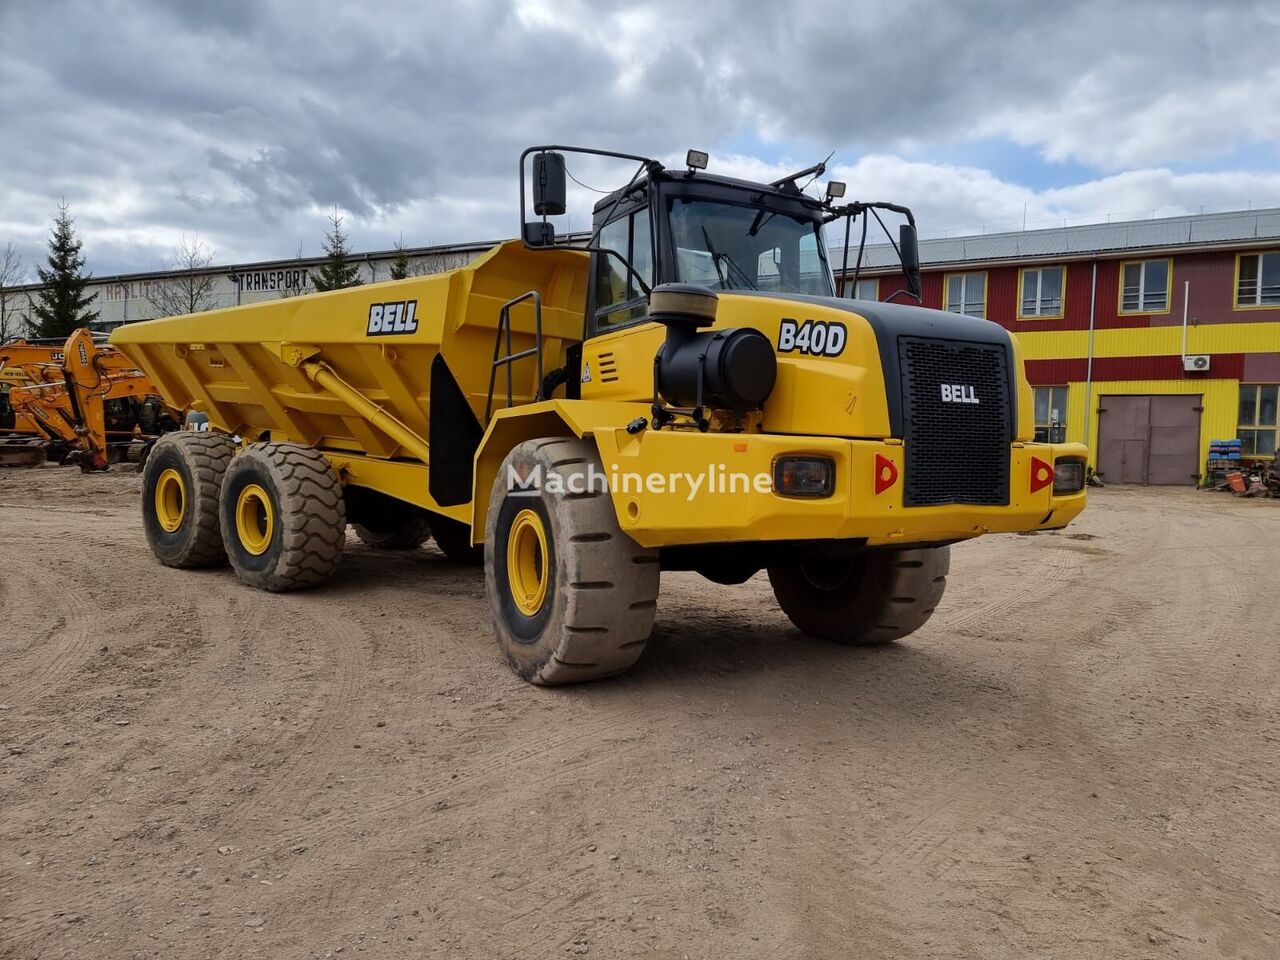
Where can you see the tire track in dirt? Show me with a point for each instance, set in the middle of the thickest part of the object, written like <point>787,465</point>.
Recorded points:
<point>313,752</point>
<point>546,748</point>
<point>59,650</point>
<point>1047,575</point>
<point>913,851</point>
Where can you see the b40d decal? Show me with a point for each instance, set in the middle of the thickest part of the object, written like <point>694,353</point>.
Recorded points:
<point>399,316</point>
<point>815,337</point>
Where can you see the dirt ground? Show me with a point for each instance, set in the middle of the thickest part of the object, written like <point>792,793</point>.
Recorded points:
<point>1078,757</point>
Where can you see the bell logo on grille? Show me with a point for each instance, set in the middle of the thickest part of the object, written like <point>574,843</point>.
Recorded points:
<point>959,393</point>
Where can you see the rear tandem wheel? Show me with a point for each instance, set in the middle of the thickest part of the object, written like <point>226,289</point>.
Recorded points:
<point>181,482</point>
<point>282,516</point>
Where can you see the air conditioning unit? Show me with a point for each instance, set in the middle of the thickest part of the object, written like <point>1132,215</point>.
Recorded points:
<point>1196,364</point>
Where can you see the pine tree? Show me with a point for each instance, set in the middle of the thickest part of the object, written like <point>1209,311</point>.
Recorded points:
<point>61,304</point>
<point>400,265</point>
<point>337,271</point>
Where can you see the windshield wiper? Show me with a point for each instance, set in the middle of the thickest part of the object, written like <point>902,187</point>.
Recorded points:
<point>717,256</point>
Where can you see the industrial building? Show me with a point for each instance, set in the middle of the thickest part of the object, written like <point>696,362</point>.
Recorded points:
<point>127,298</point>
<point>1145,340</point>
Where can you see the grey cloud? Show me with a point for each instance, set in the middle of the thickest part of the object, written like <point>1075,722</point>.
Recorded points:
<point>243,121</point>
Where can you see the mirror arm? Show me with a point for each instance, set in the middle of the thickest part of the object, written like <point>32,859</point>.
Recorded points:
<point>646,163</point>
<point>863,207</point>
<point>595,234</point>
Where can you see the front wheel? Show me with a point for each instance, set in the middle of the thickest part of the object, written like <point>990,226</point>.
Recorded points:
<point>572,596</point>
<point>877,596</point>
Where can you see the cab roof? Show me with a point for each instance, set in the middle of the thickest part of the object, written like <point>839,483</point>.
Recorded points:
<point>712,184</point>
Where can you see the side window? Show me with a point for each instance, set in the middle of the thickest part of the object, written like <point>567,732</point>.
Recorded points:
<point>619,299</point>
<point>868,288</point>
<point>1051,414</point>
<point>641,249</point>
<point>1144,287</point>
<point>966,293</point>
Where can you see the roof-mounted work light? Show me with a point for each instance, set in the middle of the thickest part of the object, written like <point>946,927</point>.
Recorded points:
<point>835,190</point>
<point>696,159</point>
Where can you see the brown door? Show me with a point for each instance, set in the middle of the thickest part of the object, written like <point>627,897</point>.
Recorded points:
<point>1149,439</point>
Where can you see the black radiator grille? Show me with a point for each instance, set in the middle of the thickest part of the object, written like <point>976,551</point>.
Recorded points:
<point>957,451</point>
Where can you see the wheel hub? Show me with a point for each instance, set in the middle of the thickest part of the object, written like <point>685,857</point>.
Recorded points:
<point>255,520</point>
<point>527,562</point>
<point>170,500</point>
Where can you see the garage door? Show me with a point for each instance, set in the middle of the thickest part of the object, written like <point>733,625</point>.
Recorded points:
<point>1149,439</point>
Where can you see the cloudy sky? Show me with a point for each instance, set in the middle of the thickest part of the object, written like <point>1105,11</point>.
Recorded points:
<point>245,122</point>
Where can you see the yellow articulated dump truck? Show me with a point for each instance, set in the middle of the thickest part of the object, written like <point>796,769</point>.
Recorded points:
<point>681,390</point>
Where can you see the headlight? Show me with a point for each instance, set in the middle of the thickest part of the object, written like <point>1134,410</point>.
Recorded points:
<point>1068,476</point>
<point>804,477</point>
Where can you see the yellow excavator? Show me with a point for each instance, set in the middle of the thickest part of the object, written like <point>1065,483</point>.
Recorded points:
<point>23,361</point>
<point>81,402</point>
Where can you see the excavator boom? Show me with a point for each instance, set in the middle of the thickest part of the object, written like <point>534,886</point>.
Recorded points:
<point>61,399</point>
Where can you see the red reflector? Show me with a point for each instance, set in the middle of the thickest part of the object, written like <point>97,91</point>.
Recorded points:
<point>1041,474</point>
<point>886,473</point>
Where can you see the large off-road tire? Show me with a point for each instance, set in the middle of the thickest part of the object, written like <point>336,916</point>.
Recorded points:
<point>572,596</point>
<point>403,528</point>
<point>181,483</point>
<point>454,540</point>
<point>876,596</point>
<point>282,515</point>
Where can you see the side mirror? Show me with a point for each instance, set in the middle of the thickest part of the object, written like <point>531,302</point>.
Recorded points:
<point>909,250</point>
<point>549,192</point>
<point>539,233</point>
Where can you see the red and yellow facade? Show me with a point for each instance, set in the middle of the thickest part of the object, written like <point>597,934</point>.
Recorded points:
<point>1094,348</point>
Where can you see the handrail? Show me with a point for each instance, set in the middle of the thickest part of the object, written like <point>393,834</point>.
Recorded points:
<point>504,328</point>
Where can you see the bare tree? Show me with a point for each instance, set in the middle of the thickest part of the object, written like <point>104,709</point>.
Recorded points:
<point>438,263</point>
<point>190,288</point>
<point>12,272</point>
<point>303,285</point>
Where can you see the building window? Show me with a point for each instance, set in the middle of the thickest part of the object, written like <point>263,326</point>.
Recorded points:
<point>867,288</point>
<point>1051,414</point>
<point>1145,286</point>
<point>1258,419</point>
<point>967,294</point>
<point>1041,292</point>
<point>1258,280</point>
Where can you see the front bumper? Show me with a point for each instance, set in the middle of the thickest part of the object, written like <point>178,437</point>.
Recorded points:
<point>652,478</point>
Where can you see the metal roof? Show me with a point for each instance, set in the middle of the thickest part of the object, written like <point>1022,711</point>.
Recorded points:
<point>235,269</point>
<point>1198,230</point>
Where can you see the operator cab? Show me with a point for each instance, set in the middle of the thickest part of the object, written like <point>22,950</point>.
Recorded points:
<point>699,229</point>
<point>716,232</point>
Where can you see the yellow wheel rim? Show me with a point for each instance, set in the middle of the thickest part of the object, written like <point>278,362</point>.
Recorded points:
<point>171,500</point>
<point>527,562</point>
<point>255,520</point>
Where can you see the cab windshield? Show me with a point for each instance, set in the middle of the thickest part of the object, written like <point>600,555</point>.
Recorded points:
<point>730,247</point>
